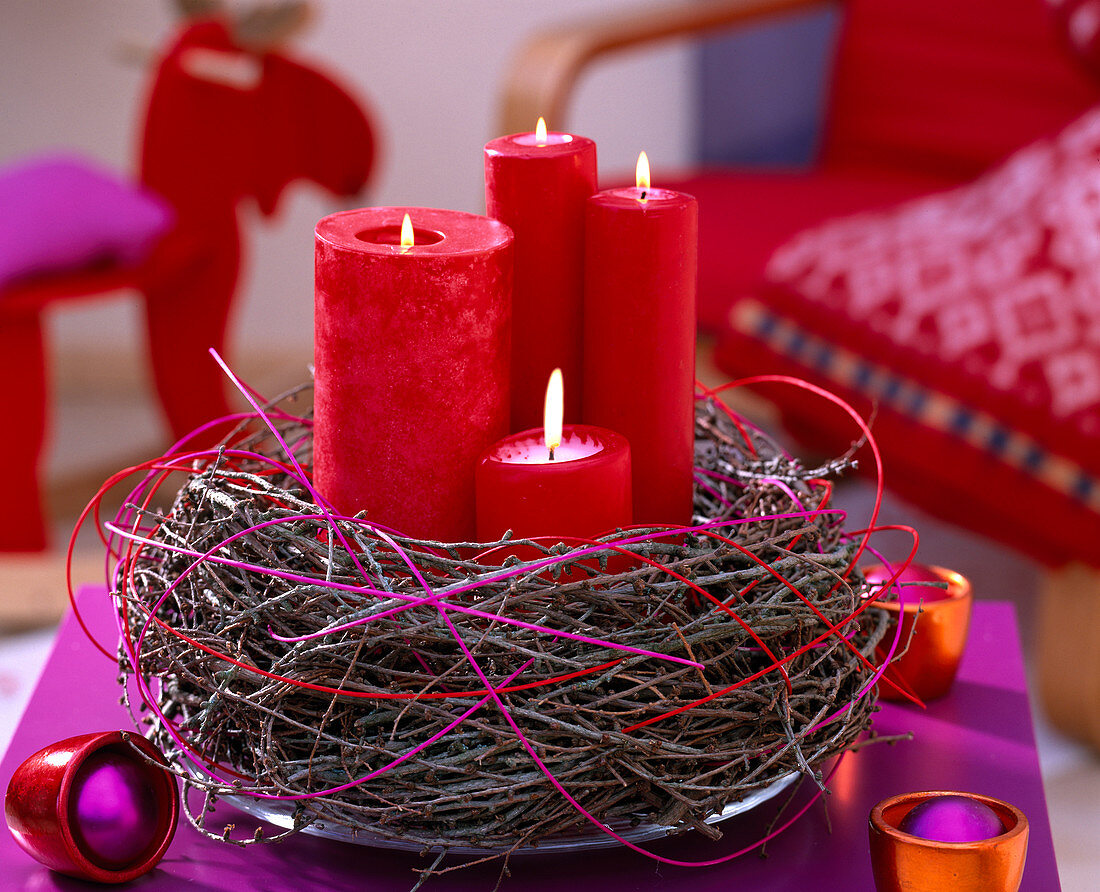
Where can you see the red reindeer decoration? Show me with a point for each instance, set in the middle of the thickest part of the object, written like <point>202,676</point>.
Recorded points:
<point>228,119</point>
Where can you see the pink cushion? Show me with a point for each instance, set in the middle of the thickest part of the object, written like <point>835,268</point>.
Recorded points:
<point>949,88</point>
<point>974,316</point>
<point>59,215</point>
<point>744,217</point>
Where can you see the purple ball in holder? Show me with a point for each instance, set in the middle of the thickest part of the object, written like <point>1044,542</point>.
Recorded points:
<point>100,806</point>
<point>947,839</point>
<point>952,819</point>
<point>114,807</point>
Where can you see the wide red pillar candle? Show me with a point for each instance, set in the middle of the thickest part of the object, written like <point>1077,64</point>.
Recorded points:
<point>411,356</point>
<point>583,492</point>
<point>639,339</point>
<point>539,189</point>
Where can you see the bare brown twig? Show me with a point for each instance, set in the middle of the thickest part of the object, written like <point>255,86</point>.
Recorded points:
<point>477,786</point>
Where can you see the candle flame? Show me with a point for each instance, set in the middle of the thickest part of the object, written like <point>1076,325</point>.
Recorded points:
<point>553,412</point>
<point>641,172</point>
<point>407,232</point>
<point>540,132</point>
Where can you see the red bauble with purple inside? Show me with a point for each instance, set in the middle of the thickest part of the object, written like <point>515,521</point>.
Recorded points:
<point>95,806</point>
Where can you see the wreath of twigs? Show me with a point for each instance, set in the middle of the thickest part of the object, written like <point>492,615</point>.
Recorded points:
<point>492,695</point>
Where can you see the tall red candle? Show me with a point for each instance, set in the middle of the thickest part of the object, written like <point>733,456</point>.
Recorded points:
<point>411,355</point>
<point>639,338</point>
<point>539,187</point>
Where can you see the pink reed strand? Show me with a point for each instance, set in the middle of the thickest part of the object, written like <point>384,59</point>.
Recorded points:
<point>301,475</point>
<point>856,418</point>
<point>134,649</point>
<point>725,478</point>
<point>151,701</point>
<point>414,600</point>
<point>706,487</point>
<point>543,563</point>
<point>739,421</point>
<point>641,538</point>
<point>580,808</point>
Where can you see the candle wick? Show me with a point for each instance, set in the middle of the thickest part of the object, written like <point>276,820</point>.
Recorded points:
<point>643,195</point>
<point>551,448</point>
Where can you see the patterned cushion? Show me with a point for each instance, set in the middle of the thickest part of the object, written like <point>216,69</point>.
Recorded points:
<point>972,315</point>
<point>759,210</point>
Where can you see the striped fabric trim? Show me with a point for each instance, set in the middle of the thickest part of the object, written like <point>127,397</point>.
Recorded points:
<point>928,407</point>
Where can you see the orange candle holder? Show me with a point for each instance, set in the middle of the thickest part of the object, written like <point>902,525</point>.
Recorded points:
<point>902,862</point>
<point>928,666</point>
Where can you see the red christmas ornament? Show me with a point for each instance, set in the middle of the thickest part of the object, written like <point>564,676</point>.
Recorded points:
<point>94,807</point>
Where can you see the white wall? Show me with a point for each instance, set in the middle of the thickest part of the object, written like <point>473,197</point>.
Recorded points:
<point>430,70</point>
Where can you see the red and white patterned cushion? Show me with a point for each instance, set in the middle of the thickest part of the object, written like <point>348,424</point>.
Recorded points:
<point>973,312</point>
<point>1002,275</point>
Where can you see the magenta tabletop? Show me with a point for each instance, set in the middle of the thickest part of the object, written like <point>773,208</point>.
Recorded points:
<point>977,739</point>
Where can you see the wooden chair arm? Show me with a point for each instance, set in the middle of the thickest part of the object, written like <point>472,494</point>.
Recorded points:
<point>546,67</point>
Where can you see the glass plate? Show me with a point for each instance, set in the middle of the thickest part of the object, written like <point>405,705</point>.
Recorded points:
<point>281,815</point>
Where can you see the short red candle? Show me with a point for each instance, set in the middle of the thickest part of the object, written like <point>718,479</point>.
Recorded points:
<point>583,492</point>
<point>411,355</point>
<point>539,190</point>
<point>639,339</point>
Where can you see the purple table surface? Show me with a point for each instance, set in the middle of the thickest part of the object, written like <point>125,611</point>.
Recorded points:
<point>978,739</point>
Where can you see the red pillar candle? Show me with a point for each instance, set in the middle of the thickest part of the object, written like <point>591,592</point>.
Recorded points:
<point>639,337</point>
<point>571,481</point>
<point>537,183</point>
<point>411,355</point>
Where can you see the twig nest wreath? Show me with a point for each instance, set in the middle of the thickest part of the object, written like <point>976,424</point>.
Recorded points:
<point>493,695</point>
